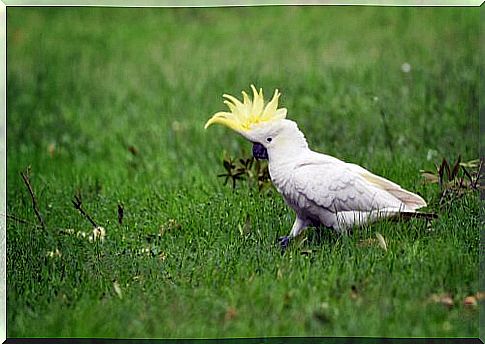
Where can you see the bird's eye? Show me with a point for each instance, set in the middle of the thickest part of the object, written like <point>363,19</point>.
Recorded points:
<point>269,139</point>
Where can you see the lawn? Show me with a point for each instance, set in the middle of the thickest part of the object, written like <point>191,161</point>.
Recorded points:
<point>109,104</point>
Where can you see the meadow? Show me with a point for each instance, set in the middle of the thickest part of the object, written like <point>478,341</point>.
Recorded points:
<point>107,106</point>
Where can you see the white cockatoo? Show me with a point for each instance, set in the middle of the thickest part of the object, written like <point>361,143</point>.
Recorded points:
<point>320,189</point>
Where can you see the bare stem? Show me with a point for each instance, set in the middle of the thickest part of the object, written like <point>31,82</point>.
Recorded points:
<point>18,219</point>
<point>26,177</point>
<point>78,205</point>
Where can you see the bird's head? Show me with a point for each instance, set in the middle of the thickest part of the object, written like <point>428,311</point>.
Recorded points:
<point>262,124</point>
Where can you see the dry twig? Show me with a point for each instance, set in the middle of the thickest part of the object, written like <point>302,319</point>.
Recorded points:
<point>78,205</point>
<point>26,177</point>
<point>120,213</point>
<point>25,222</point>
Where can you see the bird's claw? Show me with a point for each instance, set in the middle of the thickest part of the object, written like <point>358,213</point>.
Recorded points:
<point>284,242</point>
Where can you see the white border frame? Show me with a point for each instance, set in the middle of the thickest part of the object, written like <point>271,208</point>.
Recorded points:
<point>228,3</point>
<point>3,172</point>
<point>141,3</point>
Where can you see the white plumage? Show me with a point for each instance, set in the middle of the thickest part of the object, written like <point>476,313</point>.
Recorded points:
<point>320,189</point>
<point>326,190</point>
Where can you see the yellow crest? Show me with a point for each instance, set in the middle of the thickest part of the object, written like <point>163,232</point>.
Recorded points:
<point>248,113</point>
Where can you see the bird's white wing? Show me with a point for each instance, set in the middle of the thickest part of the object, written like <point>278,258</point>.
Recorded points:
<point>334,186</point>
<point>411,200</point>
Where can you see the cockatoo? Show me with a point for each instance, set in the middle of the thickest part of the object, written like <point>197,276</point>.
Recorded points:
<point>321,189</point>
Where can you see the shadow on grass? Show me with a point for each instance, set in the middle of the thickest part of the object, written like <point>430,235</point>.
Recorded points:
<point>322,235</point>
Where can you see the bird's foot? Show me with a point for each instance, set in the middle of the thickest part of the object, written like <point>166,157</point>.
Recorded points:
<point>284,242</point>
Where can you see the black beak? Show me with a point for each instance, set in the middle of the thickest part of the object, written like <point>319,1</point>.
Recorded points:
<point>259,152</point>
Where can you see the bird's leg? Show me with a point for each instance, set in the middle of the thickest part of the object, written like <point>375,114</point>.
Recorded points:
<point>284,241</point>
<point>298,226</point>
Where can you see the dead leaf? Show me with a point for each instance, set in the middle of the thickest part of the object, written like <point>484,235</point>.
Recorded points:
<point>382,241</point>
<point>279,274</point>
<point>117,289</point>
<point>133,150</point>
<point>429,177</point>
<point>98,234</point>
<point>231,313</point>
<point>51,149</point>
<point>444,299</point>
<point>470,301</point>
<point>480,295</point>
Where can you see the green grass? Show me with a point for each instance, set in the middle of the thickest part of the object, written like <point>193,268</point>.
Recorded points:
<point>91,82</point>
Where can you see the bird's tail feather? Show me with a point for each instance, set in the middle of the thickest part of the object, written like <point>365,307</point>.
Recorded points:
<point>411,200</point>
